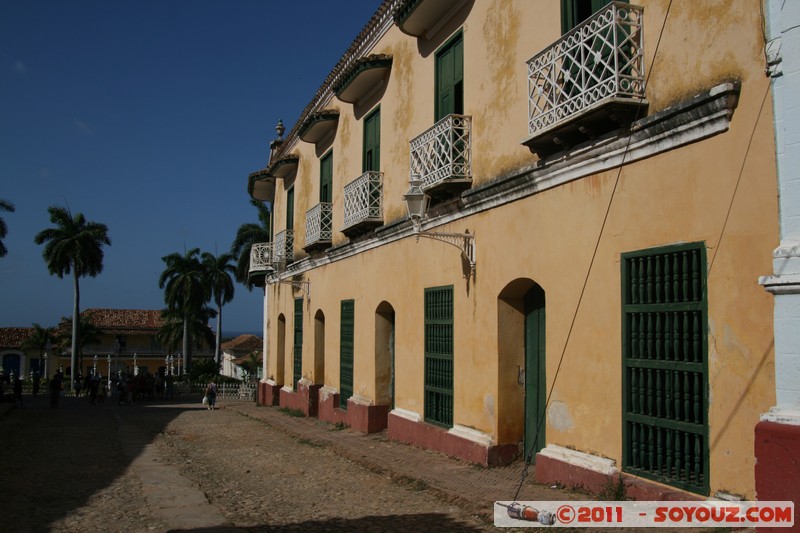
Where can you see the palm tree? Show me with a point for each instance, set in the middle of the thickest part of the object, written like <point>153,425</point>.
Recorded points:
<point>5,205</point>
<point>185,291</point>
<point>88,333</point>
<point>218,276</point>
<point>74,246</point>
<point>39,339</point>
<point>246,236</point>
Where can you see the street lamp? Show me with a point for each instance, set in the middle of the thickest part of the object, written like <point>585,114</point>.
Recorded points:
<point>117,348</point>
<point>417,203</point>
<point>135,366</point>
<point>109,371</point>
<point>47,347</point>
<point>94,365</point>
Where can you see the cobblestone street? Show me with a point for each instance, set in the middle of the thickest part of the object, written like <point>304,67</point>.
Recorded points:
<point>162,467</point>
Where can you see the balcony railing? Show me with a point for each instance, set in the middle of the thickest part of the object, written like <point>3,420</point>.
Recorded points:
<point>319,225</point>
<point>599,61</point>
<point>260,257</point>
<point>283,248</point>
<point>443,154</point>
<point>363,204</point>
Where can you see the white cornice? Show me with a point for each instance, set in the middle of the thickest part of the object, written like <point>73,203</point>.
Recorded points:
<point>698,118</point>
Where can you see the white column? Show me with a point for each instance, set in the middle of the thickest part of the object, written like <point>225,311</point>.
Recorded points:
<point>265,348</point>
<point>783,57</point>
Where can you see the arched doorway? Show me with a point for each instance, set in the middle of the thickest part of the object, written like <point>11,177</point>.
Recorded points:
<point>319,347</point>
<point>521,329</point>
<point>11,364</point>
<point>384,354</point>
<point>280,357</point>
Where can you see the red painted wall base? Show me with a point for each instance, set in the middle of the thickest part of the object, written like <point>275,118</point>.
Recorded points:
<point>268,394</point>
<point>439,439</point>
<point>777,450</point>
<point>305,399</point>
<point>364,418</point>
<point>551,471</point>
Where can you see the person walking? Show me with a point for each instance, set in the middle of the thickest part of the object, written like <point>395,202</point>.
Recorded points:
<point>55,390</point>
<point>17,391</point>
<point>211,394</point>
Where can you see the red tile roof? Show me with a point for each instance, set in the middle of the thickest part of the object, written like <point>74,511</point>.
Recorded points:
<point>242,344</point>
<point>14,337</point>
<point>125,321</point>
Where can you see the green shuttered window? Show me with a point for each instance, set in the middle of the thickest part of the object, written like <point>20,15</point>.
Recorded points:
<point>290,209</point>
<point>346,352</point>
<point>298,342</point>
<point>665,366</point>
<point>449,97</point>
<point>439,356</point>
<point>371,158</point>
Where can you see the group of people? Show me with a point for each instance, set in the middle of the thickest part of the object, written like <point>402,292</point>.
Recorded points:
<point>124,387</point>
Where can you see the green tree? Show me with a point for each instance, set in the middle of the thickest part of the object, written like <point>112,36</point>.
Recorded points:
<point>218,270</point>
<point>246,236</point>
<point>41,335</point>
<point>88,333</point>
<point>5,205</point>
<point>74,246</point>
<point>185,292</point>
<point>170,335</point>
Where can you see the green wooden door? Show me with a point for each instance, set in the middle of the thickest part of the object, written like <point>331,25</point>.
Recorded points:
<point>535,377</point>
<point>450,79</point>
<point>298,342</point>
<point>346,346</point>
<point>371,159</point>
<point>326,178</point>
<point>665,384</point>
<point>439,359</point>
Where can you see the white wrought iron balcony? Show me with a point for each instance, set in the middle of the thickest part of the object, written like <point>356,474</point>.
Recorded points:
<point>260,258</point>
<point>363,202</point>
<point>319,226</point>
<point>442,156</point>
<point>589,82</point>
<point>283,248</point>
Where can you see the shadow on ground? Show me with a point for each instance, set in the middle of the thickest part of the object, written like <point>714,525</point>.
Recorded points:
<point>52,461</point>
<point>430,522</point>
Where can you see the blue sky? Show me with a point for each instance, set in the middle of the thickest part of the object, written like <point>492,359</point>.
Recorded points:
<point>148,116</point>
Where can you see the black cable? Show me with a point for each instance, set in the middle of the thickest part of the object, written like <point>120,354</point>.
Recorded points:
<point>529,455</point>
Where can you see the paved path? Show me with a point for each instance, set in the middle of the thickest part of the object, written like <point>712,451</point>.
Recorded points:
<point>469,485</point>
<point>177,467</point>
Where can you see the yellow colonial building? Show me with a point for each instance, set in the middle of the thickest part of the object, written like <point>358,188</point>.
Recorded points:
<point>510,228</point>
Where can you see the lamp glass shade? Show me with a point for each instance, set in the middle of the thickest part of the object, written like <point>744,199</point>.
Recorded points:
<point>416,200</point>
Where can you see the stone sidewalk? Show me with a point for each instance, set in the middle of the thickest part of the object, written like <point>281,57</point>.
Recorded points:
<point>470,486</point>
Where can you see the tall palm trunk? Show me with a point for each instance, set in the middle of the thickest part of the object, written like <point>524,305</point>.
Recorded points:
<point>186,343</point>
<point>75,321</point>
<point>217,353</point>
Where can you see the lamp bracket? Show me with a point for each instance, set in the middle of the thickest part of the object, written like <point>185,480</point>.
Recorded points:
<point>304,286</point>
<point>463,241</point>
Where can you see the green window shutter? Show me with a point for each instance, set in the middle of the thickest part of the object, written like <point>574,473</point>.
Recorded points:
<point>665,366</point>
<point>346,347</point>
<point>290,209</point>
<point>326,178</point>
<point>439,356</point>
<point>371,159</point>
<point>449,98</point>
<point>298,342</point>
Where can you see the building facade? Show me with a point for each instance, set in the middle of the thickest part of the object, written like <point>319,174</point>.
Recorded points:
<point>581,287</point>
